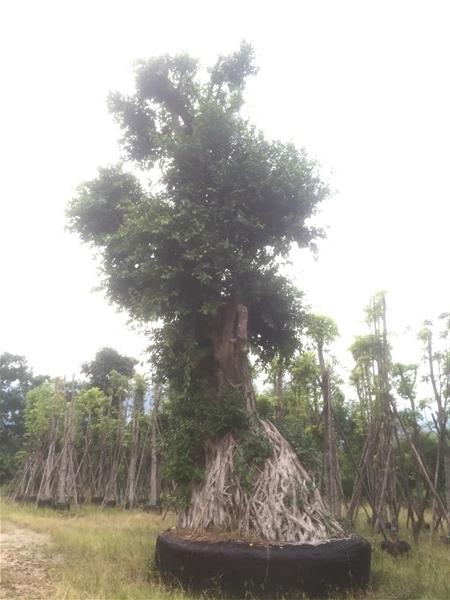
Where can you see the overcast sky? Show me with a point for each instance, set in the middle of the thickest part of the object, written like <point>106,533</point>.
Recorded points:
<point>363,85</point>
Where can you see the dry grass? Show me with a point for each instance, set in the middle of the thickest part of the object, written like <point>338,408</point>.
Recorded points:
<point>108,554</point>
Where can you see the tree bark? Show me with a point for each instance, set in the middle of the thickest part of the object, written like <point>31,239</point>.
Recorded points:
<point>230,351</point>
<point>45,489</point>
<point>441,429</point>
<point>153,499</point>
<point>422,467</point>
<point>333,485</point>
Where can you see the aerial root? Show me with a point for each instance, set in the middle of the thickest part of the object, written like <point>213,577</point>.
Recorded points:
<point>283,506</point>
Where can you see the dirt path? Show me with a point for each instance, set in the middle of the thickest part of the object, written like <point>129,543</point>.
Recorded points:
<point>26,560</point>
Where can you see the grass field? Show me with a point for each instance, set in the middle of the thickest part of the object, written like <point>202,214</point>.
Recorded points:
<point>108,554</point>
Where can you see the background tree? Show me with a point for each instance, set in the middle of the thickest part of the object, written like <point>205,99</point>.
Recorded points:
<point>200,251</point>
<point>371,377</point>
<point>135,434</point>
<point>302,422</point>
<point>98,371</point>
<point>415,489</point>
<point>322,331</point>
<point>16,379</point>
<point>438,376</point>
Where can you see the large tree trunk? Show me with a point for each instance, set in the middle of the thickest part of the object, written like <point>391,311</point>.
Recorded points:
<point>283,504</point>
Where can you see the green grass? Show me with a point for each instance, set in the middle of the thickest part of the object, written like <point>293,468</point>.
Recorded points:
<point>424,574</point>
<point>108,554</point>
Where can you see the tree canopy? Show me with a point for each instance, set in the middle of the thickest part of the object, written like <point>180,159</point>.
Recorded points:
<point>107,360</point>
<point>224,205</point>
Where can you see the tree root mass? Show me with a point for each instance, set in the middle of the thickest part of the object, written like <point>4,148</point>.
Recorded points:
<point>284,505</point>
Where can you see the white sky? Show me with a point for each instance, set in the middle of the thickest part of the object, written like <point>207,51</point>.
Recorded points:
<point>363,85</point>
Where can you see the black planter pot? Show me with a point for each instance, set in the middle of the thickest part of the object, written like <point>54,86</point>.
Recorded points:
<point>63,506</point>
<point>45,502</point>
<point>110,503</point>
<point>152,508</point>
<point>237,567</point>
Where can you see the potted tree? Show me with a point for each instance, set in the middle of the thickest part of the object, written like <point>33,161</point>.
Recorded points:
<point>198,251</point>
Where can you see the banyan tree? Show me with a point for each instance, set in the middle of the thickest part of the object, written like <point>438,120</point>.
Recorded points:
<point>197,250</point>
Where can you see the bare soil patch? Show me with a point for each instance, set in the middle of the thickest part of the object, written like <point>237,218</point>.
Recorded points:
<point>215,536</point>
<point>26,560</point>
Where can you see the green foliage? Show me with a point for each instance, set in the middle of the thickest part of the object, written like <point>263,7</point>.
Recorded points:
<point>265,405</point>
<point>254,448</point>
<point>91,406</point>
<point>323,330</point>
<point>98,371</point>
<point>439,353</point>
<point>427,442</point>
<point>44,404</point>
<point>10,460</point>
<point>306,440</point>
<point>367,351</point>
<point>404,378</point>
<point>303,392</point>
<point>376,310</point>
<point>139,387</point>
<point>301,424</point>
<point>230,204</point>
<point>16,379</point>
<point>189,422</point>
<point>224,207</point>
<point>366,348</point>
